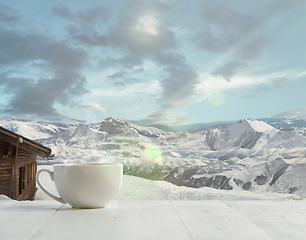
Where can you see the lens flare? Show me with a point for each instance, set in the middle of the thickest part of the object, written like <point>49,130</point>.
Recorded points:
<point>153,153</point>
<point>216,98</point>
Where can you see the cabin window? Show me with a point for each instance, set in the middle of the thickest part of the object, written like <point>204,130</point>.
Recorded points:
<point>6,147</point>
<point>21,179</point>
<point>26,176</point>
<point>31,172</point>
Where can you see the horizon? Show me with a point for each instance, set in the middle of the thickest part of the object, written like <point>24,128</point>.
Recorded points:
<point>149,125</point>
<point>126,120</point>
<point>153,62</point>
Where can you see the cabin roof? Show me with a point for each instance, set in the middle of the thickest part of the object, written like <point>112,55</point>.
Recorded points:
<point>24,143</point>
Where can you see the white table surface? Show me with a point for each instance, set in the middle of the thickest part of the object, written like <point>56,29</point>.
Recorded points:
<point>154,219</point>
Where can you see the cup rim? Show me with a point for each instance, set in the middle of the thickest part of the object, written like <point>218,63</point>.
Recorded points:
<point>87,164</point>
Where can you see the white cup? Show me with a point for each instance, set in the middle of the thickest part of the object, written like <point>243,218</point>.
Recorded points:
<point>85,185</point>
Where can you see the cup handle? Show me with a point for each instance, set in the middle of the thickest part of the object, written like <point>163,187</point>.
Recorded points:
<point>59,199</point>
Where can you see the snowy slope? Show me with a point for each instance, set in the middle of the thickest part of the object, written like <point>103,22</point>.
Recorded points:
<point>35,129</point>
<point>112,125</point>
<point>287,124</point>
<point>283,124</point>
<point>248,155</point>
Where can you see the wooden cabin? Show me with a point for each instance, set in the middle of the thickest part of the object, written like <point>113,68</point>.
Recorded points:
<point>18,165</point>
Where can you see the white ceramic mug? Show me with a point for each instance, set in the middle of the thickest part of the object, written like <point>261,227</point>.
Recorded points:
<point>85,185</point>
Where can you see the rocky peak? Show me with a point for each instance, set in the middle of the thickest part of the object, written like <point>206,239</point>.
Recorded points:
<point>112,125</point>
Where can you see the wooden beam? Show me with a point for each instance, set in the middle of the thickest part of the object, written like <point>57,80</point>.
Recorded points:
<point>7,139</point>
<point>14,172</point>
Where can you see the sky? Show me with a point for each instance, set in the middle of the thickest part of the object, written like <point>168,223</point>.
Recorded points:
<point>169,62</point>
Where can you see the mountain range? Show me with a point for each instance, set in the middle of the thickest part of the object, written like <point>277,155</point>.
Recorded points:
<point>284,124</point>
<point>253,155</point>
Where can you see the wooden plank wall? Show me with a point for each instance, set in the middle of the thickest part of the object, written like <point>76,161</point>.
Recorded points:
<point>27,183</point>
<point>26,171</point>
<point>5,172</point>
<point>25,158</point>
<point>25,167</point>
<point>5,176</point>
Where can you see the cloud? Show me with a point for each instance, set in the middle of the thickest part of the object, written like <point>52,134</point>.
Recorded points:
<point>231,69</point>
<point>276,6</point>
<point>92,15</point>
<point>39,71</point>
<point>157,117</point>
<point>126,62</point>
<point>178,86</point>
<point>30,99</point>
<point>38,97</point>
<point>124,78</point>
<point>8,15</point>
<point>223,29</point>
<point>210,83</point>
<point>96,107</point>
<point>87,26</point>
<point>179,82</point>
<point>20,47</point>
<point>141,34</point>
<point>139,30</point>
<point>162,117</point>
<point>293,113</point>
<point>119,46</point>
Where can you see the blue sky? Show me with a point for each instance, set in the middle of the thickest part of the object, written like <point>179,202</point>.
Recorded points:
<point>163,61</point>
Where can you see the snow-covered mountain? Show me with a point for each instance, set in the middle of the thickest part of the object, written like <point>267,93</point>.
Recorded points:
<point>287,124</point>
<point>284,124</point>
<point>249,154</point>
<point>36,129</point>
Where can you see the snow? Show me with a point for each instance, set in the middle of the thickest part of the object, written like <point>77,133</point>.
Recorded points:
<point>259,125</point>
<point>249,157</point>
<point>157,210</point>
<point>3,197</point>
<point>136,188</point>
